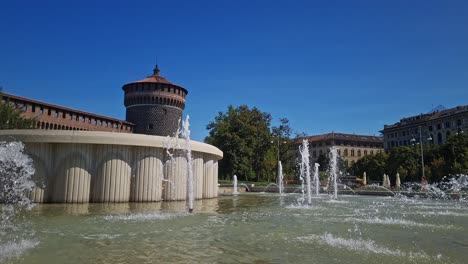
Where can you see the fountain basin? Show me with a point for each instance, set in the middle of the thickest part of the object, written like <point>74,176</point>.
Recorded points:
<point>90,166</point>
<point>252,228</point>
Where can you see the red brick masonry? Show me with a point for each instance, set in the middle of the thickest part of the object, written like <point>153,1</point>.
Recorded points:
<point>50,116</point>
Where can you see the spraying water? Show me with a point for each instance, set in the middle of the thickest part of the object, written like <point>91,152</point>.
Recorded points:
<point>305,169</point>
<point>16,171</point>
<point>333,171</point>
<point>188,149</point>
<point>235,191</point>
<point>316,178</point>
<point>171,144</point>
<point>280,178</point>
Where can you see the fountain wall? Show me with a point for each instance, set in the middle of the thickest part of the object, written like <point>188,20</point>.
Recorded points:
<point>85,166</point>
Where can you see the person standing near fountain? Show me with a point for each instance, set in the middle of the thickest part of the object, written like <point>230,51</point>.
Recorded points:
<point>424,184</point>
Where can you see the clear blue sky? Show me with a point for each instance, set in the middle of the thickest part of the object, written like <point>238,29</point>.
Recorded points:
<point>343,66</point>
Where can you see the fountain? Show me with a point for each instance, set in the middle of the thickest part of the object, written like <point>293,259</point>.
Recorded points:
<point>316,178</point>
<point>235,191</point>
<point>280,178</point>
<point>356,228</point>
<point>333,171</point>
<point>305,170</point>
<point>188,150</point>
<point>397,181</point>
<point>171,145</point>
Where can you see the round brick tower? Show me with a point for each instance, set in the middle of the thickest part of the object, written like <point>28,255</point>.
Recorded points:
<point>154,105</point>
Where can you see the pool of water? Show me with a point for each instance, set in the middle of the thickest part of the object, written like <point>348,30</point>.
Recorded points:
<point>248,228</point>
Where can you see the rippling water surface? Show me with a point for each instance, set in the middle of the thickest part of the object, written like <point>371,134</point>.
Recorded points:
<point>251,228</point>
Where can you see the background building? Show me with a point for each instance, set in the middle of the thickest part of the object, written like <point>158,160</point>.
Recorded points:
<point>436,127</point>
<point>50,116</point>
<point>350,147</point>
<point>154,107</point>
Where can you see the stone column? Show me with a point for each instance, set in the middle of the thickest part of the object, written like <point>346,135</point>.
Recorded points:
<point>175,178</point>
<point>208,177</point>
<point>197,174</point>
<point>73,178</point>
<point>215,178</point>
<point>112,180</point>
<point>42,156</point>
<point>146,185</point>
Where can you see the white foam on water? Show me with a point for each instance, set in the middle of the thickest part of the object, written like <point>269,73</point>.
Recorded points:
<point>143,216</point>
<point>16,249</point>
<point>336,201</point>
<point>301,206</point>
<point>364,246</point>
<point>394,221</point>
<point>442,207</point>
<point>101,236</point>
<point>438,213</point>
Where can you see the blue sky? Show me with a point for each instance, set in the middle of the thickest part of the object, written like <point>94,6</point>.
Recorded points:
<point>343,66</point>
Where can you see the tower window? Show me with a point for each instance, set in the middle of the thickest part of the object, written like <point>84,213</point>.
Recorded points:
<point>150,126</point>
<point>165,111</point>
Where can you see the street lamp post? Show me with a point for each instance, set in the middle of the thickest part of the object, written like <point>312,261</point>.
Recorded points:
<point>422,151</point>
<point>278,153</point>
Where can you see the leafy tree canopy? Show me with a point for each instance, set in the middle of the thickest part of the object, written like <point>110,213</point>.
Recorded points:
<point>10,116</point>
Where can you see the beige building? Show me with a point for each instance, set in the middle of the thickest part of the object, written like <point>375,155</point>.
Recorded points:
<point>436,128</point>
<point>350,147</point>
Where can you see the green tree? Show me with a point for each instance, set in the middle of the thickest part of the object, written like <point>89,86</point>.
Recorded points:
<point>324,162</point>
<point>455,153</point>
<point>287,152</point>
<point>243,134</point>
<point>10,116</point>
<point>372,165</point>
<point>405,161</point>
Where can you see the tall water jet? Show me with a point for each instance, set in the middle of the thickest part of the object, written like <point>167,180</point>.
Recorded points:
<point>316,178</point>
<point>16,171</point>
<point>235,191</point>
<point>364,179</point>
<point>188,149</point>
<point>305,168</point>
<point>333,170</point>
<point>280,178</point>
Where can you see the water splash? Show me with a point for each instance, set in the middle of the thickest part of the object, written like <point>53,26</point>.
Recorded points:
<point>365,246</point>
<point>143,216</point>
<point>16,170</point>
<point>454,187</point>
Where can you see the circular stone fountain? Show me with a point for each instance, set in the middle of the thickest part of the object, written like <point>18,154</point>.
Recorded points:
<point>85,166</point>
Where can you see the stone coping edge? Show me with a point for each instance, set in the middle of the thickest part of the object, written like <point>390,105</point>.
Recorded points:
<point>99,137</point>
